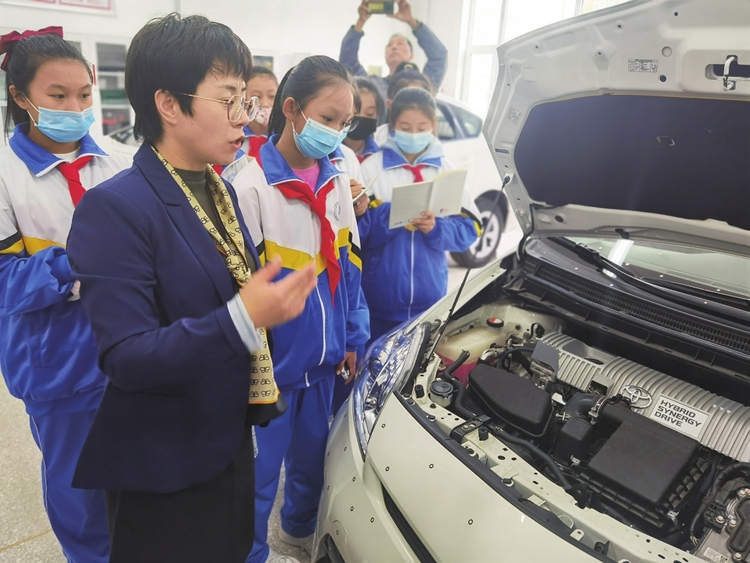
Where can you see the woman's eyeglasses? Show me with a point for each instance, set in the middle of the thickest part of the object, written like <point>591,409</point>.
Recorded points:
<point>235,105</point>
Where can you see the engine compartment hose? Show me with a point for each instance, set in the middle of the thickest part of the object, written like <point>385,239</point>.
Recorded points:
<point>540,455</point>
<point>462,357</point>
<point>458,389</point>
<point>721,478</point>
<point>510,351</point>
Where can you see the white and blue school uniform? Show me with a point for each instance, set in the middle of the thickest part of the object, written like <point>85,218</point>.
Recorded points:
<point>370,148</point>
<point>47,352</point>
<point>405,271</point>
<point>346,160</point>
<point>307,349</point>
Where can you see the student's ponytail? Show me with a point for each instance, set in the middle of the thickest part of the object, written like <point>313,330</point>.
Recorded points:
<point>277,120</point>
<point>25,53</point>
<point>303,82</point>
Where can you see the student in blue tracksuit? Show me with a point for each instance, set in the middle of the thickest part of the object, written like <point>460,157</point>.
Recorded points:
<point>405,270</point>
<point>370,110</point>
<point>47,352</point>
<point>298,206</point>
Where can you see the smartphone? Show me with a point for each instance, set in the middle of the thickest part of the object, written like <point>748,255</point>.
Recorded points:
<point>386,7</point>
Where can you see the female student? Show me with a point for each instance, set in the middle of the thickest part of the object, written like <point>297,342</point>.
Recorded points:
<point>47,352</point>
<point>405,269</point>
<point>371,110</point>
<point>300,206</point>
<point>263,86</point>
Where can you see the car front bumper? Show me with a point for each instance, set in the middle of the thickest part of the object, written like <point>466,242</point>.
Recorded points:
<point>440,510</point>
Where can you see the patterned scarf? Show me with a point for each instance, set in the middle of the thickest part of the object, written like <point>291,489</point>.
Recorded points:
<point>263,389</point>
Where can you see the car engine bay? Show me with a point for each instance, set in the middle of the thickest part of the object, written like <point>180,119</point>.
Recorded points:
<point>656,456</point>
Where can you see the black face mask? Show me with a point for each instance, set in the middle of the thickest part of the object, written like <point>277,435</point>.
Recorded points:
<point>365,127</point>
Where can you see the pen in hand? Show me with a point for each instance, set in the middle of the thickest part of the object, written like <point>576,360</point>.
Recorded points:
<point>364,190</point>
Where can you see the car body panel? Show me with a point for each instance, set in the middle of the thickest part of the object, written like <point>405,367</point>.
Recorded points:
<point>659,48</point>
<point>419,474</point>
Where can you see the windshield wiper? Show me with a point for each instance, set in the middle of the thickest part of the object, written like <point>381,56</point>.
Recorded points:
<point>593,257</point>
<point>724,299</point>
<point>694,296</point>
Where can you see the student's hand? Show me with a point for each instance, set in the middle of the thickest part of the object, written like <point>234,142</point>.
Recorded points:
<point>350,360</point>
<point>272,303</point>
<point>360,206</point>
<point>364,15</point>
<point>425,223</point>
<point>404,14</point>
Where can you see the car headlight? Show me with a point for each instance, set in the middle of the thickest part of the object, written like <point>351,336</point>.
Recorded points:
<point>385,365</point>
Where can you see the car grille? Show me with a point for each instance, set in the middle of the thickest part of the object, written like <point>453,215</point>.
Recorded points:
<point>411,537</point>
<point>649,312</point>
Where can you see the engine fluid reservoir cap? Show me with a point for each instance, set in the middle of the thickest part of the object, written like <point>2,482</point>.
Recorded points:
<point>495,322</point>
<point>440,392</point>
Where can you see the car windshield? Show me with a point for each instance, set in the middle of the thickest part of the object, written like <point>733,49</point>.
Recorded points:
<point>662,261</point>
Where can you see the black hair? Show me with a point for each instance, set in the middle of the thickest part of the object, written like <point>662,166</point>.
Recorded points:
<point>364,84</point>
<point>303,82</point>
<point>412,98</point>
<point>175,54</point>
<point>408,78</point>
<point>260,69</point>
<point>25,58</point>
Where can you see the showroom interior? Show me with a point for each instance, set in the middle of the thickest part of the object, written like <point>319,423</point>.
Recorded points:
<point>280,34</point>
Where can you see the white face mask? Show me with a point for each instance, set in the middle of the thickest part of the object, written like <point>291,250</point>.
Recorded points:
<point>264,114</point>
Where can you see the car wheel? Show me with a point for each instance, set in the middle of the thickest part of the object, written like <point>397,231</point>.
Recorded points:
<point>492,215</point>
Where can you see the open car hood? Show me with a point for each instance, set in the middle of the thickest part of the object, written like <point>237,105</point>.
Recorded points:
<point>634,120</point>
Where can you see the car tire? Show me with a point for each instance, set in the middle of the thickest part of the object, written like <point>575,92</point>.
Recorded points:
<point>492,214</point>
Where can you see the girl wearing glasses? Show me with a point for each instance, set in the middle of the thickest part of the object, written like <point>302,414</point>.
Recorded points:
<point>47,353</point>
<point>300,206</point>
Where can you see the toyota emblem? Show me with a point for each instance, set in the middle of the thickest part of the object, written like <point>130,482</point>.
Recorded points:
<point>638,397</point>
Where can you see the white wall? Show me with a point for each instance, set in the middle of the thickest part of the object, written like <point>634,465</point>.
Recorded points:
<point>286,29</point>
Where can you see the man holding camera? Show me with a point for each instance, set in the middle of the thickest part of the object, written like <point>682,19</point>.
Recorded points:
<point>399,48</point>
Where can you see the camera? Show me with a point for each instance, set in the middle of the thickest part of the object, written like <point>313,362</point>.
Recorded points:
<point>387,7</point>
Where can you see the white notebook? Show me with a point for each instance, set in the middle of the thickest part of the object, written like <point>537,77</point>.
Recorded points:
<point>443,195</point>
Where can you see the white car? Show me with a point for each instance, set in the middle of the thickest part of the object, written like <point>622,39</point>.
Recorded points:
<point>588,397</point>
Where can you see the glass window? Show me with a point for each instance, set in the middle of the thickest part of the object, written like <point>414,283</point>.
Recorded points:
<point>527,15</point>
<point>482,71</point>
<point>111,76</point>
<point>445,131</point>
<point>486,25</point>
<point>471,123</point>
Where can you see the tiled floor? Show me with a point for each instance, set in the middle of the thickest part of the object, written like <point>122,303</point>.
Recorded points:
<point>25,535</point>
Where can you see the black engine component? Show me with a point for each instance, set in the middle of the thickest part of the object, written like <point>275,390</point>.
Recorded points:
<point>740,539</point>
<point>510,398</point>
<point>574,439</point>
<point>644,462</point>
<point>645,467</point>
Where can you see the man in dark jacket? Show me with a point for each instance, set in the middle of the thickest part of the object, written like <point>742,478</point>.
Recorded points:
<point>398,50</point>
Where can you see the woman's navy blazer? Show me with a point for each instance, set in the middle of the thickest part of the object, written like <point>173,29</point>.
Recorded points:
<point>155,288</point>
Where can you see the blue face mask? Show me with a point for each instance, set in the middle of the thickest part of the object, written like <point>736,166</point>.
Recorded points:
<point>317,140</point>
<point>412,143</point>
<point>64,126</point>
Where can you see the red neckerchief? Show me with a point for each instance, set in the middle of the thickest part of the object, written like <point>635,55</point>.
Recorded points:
<point>416,171</point>
<point>297,189</point>
<point>70,171</point>
<point>254,144</point>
